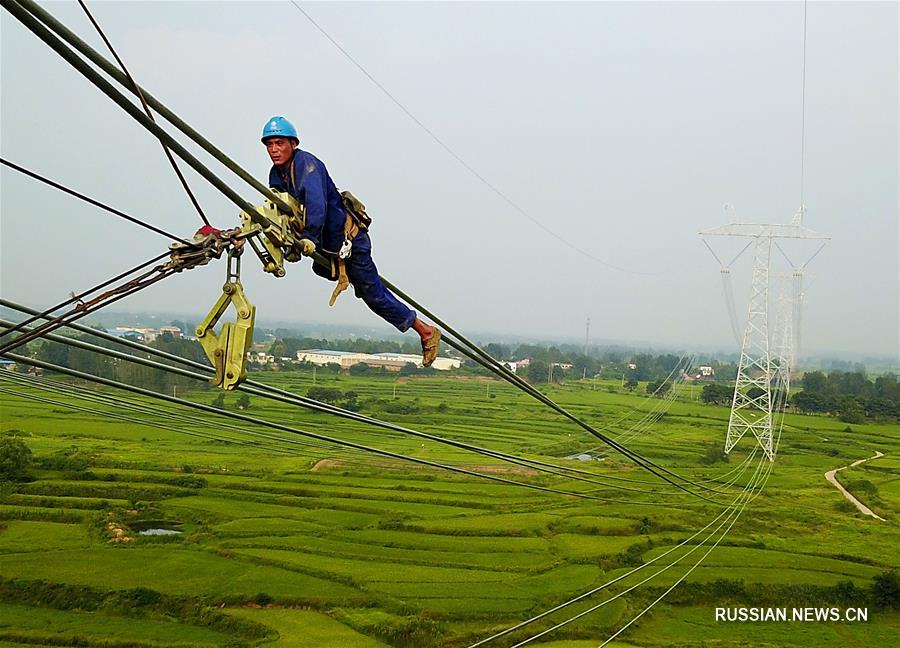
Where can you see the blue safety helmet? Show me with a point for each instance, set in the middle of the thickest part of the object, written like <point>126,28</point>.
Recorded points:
<point>279,127</point>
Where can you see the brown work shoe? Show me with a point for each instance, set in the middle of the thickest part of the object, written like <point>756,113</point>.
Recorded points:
<point>430,347</point>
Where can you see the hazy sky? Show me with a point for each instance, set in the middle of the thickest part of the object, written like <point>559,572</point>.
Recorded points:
<point>622,127</point>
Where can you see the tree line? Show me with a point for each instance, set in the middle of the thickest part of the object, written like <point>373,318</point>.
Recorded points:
<point>851,396</point>
<point>120,370</point>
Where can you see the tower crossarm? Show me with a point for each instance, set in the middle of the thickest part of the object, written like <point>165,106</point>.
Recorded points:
<point>765,230</point>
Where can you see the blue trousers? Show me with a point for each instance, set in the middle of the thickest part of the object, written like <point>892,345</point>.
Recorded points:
<point>363,276</point>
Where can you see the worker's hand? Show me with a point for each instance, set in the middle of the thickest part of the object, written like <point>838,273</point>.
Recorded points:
<point>307,247</point>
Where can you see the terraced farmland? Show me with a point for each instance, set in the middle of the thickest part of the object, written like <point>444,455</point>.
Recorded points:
<point>313,545</point>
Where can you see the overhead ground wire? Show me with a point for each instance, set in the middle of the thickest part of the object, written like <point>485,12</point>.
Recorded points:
<point>468,167</point>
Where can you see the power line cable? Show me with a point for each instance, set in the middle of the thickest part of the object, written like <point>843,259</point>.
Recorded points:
<point>731,515</point>
<point>131,419</point>
<point>478,355</point>
<point>291,430</point>
<point>736,516</point>
<point>16,8</point>
<point>261,389</point>
<point>29,20</point>
<point>146,408</point>
<point>95,203</point>
<point>137,90</point>
<point>95,57</point>
<point>803,113</point>
<point>605,585</point>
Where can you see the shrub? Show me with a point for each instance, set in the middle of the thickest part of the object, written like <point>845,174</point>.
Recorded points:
<point>714,454</point>
<point>400,407</point>
<point>72,459</point>
<point>15,458</point>
<point>885,590</point>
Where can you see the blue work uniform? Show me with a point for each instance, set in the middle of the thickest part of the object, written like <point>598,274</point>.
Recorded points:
<point>314,189</point>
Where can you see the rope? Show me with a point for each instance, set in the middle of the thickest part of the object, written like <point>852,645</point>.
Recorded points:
<point>82,309</point>
<point>80,296</point>
<point>140,95</point>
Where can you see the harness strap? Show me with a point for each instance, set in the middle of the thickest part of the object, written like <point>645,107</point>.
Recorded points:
<point>343,282</point>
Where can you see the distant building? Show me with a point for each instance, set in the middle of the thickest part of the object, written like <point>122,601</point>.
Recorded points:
<point>174,331</point>
<point>390,361</point>
<point>344,359</point>
<point>9,365</point>
<point>260,357</point>
<point>632,366</point>
<point>441,364</point>
<point>135,335</point>
<point>706,371</point>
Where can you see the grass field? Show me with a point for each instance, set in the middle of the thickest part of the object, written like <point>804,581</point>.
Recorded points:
<point>290,541</point>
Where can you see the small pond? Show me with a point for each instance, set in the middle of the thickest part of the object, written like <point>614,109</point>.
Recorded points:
<point>156,527</point>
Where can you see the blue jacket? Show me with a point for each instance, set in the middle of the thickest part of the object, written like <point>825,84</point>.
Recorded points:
<point>314,189</point>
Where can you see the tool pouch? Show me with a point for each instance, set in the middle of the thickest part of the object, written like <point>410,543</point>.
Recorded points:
<point>356,211</point>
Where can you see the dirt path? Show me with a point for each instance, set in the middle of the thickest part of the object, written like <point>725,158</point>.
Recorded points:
<point>862,507</point>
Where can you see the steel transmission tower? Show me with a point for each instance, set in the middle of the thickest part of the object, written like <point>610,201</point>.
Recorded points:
<point>760,371</point>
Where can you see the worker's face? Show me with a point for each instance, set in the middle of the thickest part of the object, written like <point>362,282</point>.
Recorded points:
<point>280,149</point>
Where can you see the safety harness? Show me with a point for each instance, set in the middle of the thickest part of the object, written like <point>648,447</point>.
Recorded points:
<point>355,221</point>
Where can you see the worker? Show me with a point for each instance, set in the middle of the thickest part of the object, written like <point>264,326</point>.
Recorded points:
<point>337,226</point>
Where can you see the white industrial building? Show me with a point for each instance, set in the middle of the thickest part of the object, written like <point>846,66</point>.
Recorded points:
<point>390,361</point>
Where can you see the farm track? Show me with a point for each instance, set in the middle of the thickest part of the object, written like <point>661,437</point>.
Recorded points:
<point>830,476</point>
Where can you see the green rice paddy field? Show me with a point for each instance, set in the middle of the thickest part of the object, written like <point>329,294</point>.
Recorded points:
<point>290,541</point>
